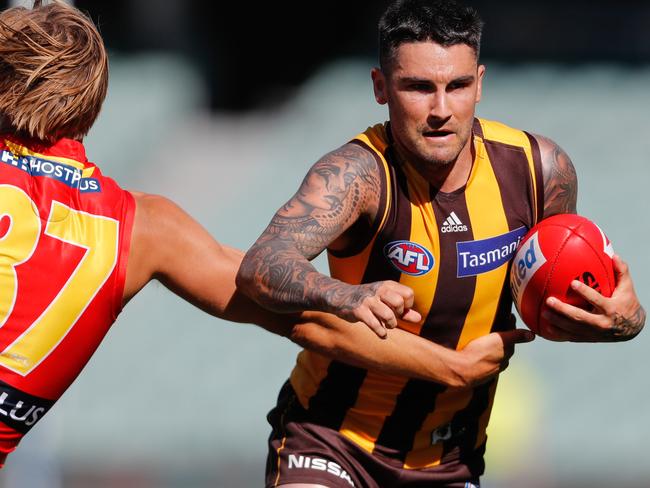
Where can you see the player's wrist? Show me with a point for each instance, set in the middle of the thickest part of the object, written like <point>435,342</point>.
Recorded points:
<point>458,369</point>
<point>336,297</point>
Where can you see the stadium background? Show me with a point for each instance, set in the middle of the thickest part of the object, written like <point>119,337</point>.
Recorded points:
<point>223,109</point>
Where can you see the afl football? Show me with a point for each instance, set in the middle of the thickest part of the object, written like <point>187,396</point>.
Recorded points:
<point>556,251</point>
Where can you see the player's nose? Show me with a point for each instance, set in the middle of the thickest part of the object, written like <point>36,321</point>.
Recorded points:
<point>439,107</point>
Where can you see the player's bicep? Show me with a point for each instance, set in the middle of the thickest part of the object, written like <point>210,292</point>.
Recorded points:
<point>560,180</point>
<point>339,189</point>
<point>170,246</point>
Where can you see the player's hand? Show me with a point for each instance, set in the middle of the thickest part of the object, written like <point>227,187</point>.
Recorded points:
<point>488,355</point>
<point>379,305</point>
<point>618,318</point>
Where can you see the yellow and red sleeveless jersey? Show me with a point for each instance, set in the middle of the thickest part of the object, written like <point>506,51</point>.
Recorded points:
<point>453,250</point>
<point>65,232</point>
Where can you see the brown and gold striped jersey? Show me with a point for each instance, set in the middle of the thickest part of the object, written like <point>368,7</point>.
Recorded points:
<point>453,250</point>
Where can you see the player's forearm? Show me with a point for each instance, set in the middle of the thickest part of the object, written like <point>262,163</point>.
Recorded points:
<point>278,277</point>
<point>401,353</point>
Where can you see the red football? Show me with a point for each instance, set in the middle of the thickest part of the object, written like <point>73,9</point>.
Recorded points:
<point>556,251</point>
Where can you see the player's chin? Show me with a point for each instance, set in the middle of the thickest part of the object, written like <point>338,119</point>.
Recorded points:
<point>442,154</point>
<point>440,158</point>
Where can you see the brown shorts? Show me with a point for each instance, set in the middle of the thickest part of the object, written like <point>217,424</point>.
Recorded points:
<point>304,452</point>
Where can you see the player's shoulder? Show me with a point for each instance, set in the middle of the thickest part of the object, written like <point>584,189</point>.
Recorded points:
<point>350,159</point>
<point>153,208</point>
<point>559,177</point>
<point>546,144</point>
<point>351,153</point>
<point>158,224</point>
<point>499,132</point>
<point>375,138</point>
<point>495,131</point>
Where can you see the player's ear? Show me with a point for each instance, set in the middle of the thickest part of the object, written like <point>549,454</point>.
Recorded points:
<point>479,84</point>
<point>379,85</point>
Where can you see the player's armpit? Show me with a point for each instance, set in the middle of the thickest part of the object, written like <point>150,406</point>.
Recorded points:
<point>560,180</point>
<point>142,258</point>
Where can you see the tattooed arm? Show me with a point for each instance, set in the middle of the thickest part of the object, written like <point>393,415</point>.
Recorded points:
<point>340,190</point>
<point>617,318</point>
<point>560,181</point>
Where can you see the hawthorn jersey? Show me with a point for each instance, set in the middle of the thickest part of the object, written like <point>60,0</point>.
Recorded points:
<point>64,238</point>
<point>453,250</point>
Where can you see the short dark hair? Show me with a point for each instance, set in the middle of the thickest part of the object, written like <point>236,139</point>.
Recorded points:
<point>444,22</point>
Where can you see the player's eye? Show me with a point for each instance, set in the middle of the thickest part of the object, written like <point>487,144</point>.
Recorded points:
<point>423,87</point>
<point>458,85</point>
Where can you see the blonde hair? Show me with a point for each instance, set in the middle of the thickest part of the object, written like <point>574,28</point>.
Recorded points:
<point>53,71</point>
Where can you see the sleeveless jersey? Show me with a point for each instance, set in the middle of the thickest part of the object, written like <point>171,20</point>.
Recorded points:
<point>453,250</point>
<point>65,232</point>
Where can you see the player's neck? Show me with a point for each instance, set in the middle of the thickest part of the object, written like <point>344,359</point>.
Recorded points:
<point>447,177</point>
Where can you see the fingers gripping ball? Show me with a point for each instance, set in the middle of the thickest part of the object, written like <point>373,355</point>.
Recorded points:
<point>556,251</point>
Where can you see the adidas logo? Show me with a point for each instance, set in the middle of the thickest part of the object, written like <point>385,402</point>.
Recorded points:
<point>453,224</point>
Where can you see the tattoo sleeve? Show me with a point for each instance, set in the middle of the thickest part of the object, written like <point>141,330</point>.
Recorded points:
<point>340,188</point>
<point>560,181</point>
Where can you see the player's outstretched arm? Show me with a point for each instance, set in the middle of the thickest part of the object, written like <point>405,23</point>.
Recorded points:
<point>168,245</point>
<point>339,191</point>
<point>617,318</point>
<point>406,354</point>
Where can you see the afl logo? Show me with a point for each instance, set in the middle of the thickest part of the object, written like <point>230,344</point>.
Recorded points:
<point>409,257</point>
